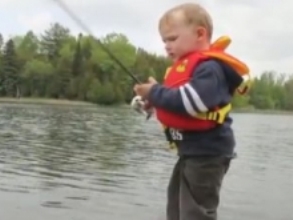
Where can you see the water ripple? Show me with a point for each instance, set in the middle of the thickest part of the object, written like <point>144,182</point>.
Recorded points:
<point>107,164</point>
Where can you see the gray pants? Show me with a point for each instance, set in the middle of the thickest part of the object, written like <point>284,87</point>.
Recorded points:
<point>194,188</point>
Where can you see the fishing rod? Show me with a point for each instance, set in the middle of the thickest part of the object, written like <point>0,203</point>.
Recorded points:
<point>86,29</point>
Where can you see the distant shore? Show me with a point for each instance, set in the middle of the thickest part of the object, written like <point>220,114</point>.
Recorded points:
<point>263,111</point>
<point>46,101</point>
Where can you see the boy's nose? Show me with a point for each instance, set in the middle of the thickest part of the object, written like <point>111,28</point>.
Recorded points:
<point>168,48</point>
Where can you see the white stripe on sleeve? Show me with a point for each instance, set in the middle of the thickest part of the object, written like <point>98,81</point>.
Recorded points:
<point>194,98</point>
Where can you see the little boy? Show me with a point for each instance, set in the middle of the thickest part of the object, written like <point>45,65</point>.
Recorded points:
<point>193,104</point>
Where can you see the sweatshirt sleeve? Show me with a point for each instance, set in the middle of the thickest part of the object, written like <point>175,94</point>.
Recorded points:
<point>203,92</point>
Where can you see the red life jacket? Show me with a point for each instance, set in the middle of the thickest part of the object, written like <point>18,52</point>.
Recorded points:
<point>179,74</point>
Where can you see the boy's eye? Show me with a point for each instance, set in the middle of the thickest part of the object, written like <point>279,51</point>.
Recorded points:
<point>170,39</point>
<point>173,38</point>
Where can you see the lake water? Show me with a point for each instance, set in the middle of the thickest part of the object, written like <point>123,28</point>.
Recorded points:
<point>87,163</point>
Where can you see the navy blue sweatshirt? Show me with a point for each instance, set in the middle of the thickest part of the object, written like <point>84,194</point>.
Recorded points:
<point>212,84</point>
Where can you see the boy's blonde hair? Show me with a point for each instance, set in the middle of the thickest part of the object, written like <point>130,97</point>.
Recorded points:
<point>194,14</point>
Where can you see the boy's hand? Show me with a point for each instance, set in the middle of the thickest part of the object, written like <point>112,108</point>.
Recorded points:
<point>144,89</point>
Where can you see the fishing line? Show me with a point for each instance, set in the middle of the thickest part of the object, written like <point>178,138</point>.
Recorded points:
<point>86,29</point>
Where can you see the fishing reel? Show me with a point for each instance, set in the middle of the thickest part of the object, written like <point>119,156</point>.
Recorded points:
<point>142,106</point>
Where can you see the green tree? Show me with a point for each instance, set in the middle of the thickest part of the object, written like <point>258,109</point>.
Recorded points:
<point>11,79</point>
<point>52,41</point>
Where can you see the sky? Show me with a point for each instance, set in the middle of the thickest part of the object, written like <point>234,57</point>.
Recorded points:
<point>261,31</point>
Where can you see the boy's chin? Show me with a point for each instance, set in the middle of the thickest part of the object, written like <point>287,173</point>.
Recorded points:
<point>172,57</point>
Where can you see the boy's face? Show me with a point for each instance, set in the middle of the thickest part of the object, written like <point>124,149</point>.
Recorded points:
<point>180,38</point>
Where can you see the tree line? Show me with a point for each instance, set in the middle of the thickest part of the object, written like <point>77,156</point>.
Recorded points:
<point>59,65</point>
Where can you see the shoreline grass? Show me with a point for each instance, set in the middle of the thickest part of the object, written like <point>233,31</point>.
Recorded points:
<point>64,102</point>
<point>45,101</point>
<point>262,111</point>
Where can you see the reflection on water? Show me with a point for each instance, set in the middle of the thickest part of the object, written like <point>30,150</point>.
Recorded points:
<point>81,163</point>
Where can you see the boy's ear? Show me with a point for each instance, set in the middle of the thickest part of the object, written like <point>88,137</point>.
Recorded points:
<point>201,32</point>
